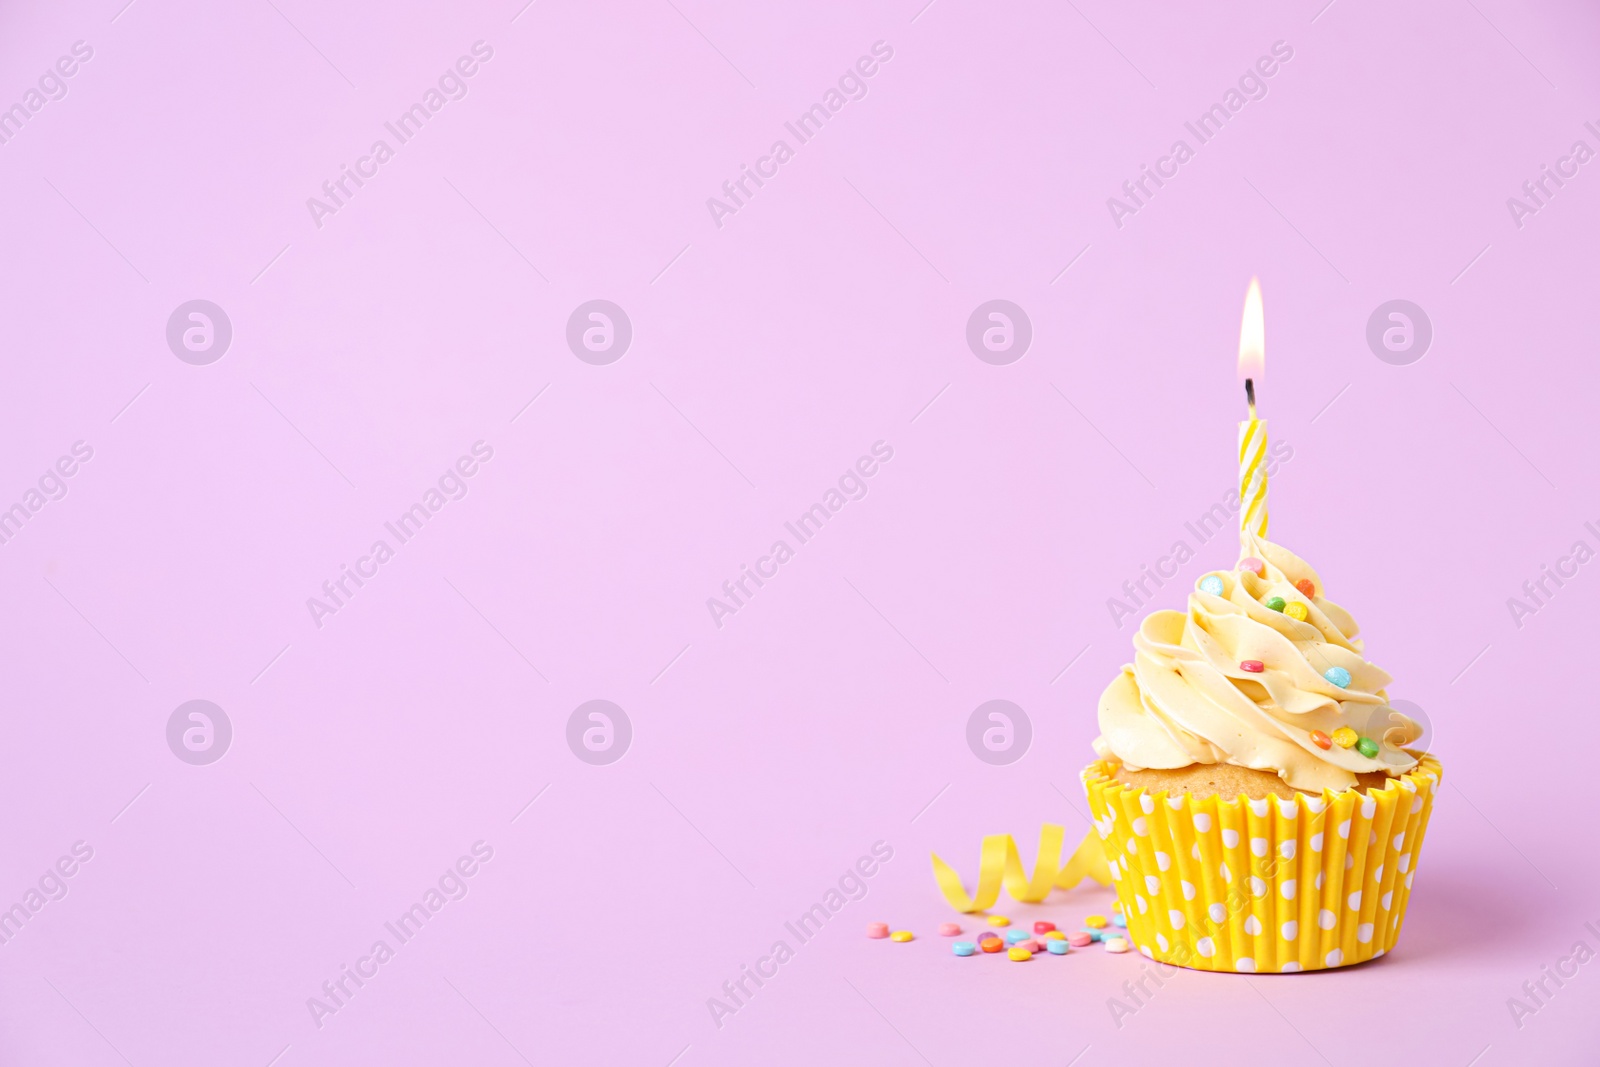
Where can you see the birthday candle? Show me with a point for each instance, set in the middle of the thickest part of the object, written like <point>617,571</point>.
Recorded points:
<point>1253,431</point>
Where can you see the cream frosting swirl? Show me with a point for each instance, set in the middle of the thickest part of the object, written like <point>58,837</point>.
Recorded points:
<point>1185,699</point>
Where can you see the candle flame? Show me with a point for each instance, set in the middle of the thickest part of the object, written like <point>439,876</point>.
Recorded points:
<point>1253,335</point>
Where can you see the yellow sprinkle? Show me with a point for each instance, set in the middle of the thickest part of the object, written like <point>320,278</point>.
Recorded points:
<point>1297,610</point>
<point>1096,921</point>
<point>1019,954</point>
<point>901,935</point>
<point>1054,935</point>
<point>1345,737</point>
<point>1001,920</point>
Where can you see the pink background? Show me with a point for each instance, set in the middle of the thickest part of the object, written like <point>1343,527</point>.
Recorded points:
<point>768,354</point>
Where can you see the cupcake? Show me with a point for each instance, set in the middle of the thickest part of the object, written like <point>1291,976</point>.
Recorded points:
<point>1255,796</point>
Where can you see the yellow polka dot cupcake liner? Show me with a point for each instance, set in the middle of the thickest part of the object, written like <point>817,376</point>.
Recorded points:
<point>1274,885</point>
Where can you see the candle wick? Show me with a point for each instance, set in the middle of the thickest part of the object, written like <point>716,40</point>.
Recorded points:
<point>1250,395</point>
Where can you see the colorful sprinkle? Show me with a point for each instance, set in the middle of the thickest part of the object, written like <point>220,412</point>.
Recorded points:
<point>991,944</point>
<point>1306,588</point>
<point>949,929</point>
<point>1297,611</point>
<point>1095,935</point>
<point>1031,945</point>
<point>1345,737</point>
<point>1080,939</point>
<point>1321,740</point>
<point>1254,666</point>
<point>1057,948</point>
<point>1274,603</point>
<point>1014,936</point>
<point>999,920</point>
<point>1054,935</point>
<point>1211,584</point>
<point>877,929</point>
<point>901,935</point>
<point>963,948</point>
<point>1116,944</point>
<point>1098,922</point>
<point>1118,920</point>
<point>1253,565</point>
<point>1019,955</point>
<point>1367,747</point>
<point>1338,676</point>
<point>1042,927</point>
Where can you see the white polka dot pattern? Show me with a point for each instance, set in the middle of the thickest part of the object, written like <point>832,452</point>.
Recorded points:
<point>1277,884</point>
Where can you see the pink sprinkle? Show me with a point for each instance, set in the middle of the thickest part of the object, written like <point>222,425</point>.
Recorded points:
<point>877,929</point>
<point>1042,927</point>
<point>1254,666</point>
<point>1253,565</point>
<point>1078,939</point>
<point>949,929</point>
<point>1031,945</point>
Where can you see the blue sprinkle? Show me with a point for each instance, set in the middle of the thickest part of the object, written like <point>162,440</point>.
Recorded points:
<point>1094,935</point>
<point>963,948</point>
<point>1338,676</point>
<point>1120,920</point>
<point>1057,946</point>
<point>1211,584</point>
<point>1014,935</point>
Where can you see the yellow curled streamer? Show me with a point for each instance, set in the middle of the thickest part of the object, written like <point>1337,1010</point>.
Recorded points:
<point>999,862</point>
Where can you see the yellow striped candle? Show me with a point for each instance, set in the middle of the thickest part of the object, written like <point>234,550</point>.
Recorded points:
<point>1252,432</point>
<point>1253,477</point>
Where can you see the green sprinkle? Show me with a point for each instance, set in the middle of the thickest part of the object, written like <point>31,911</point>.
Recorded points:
<point>1367,747</point>
<point>1275,603</point>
